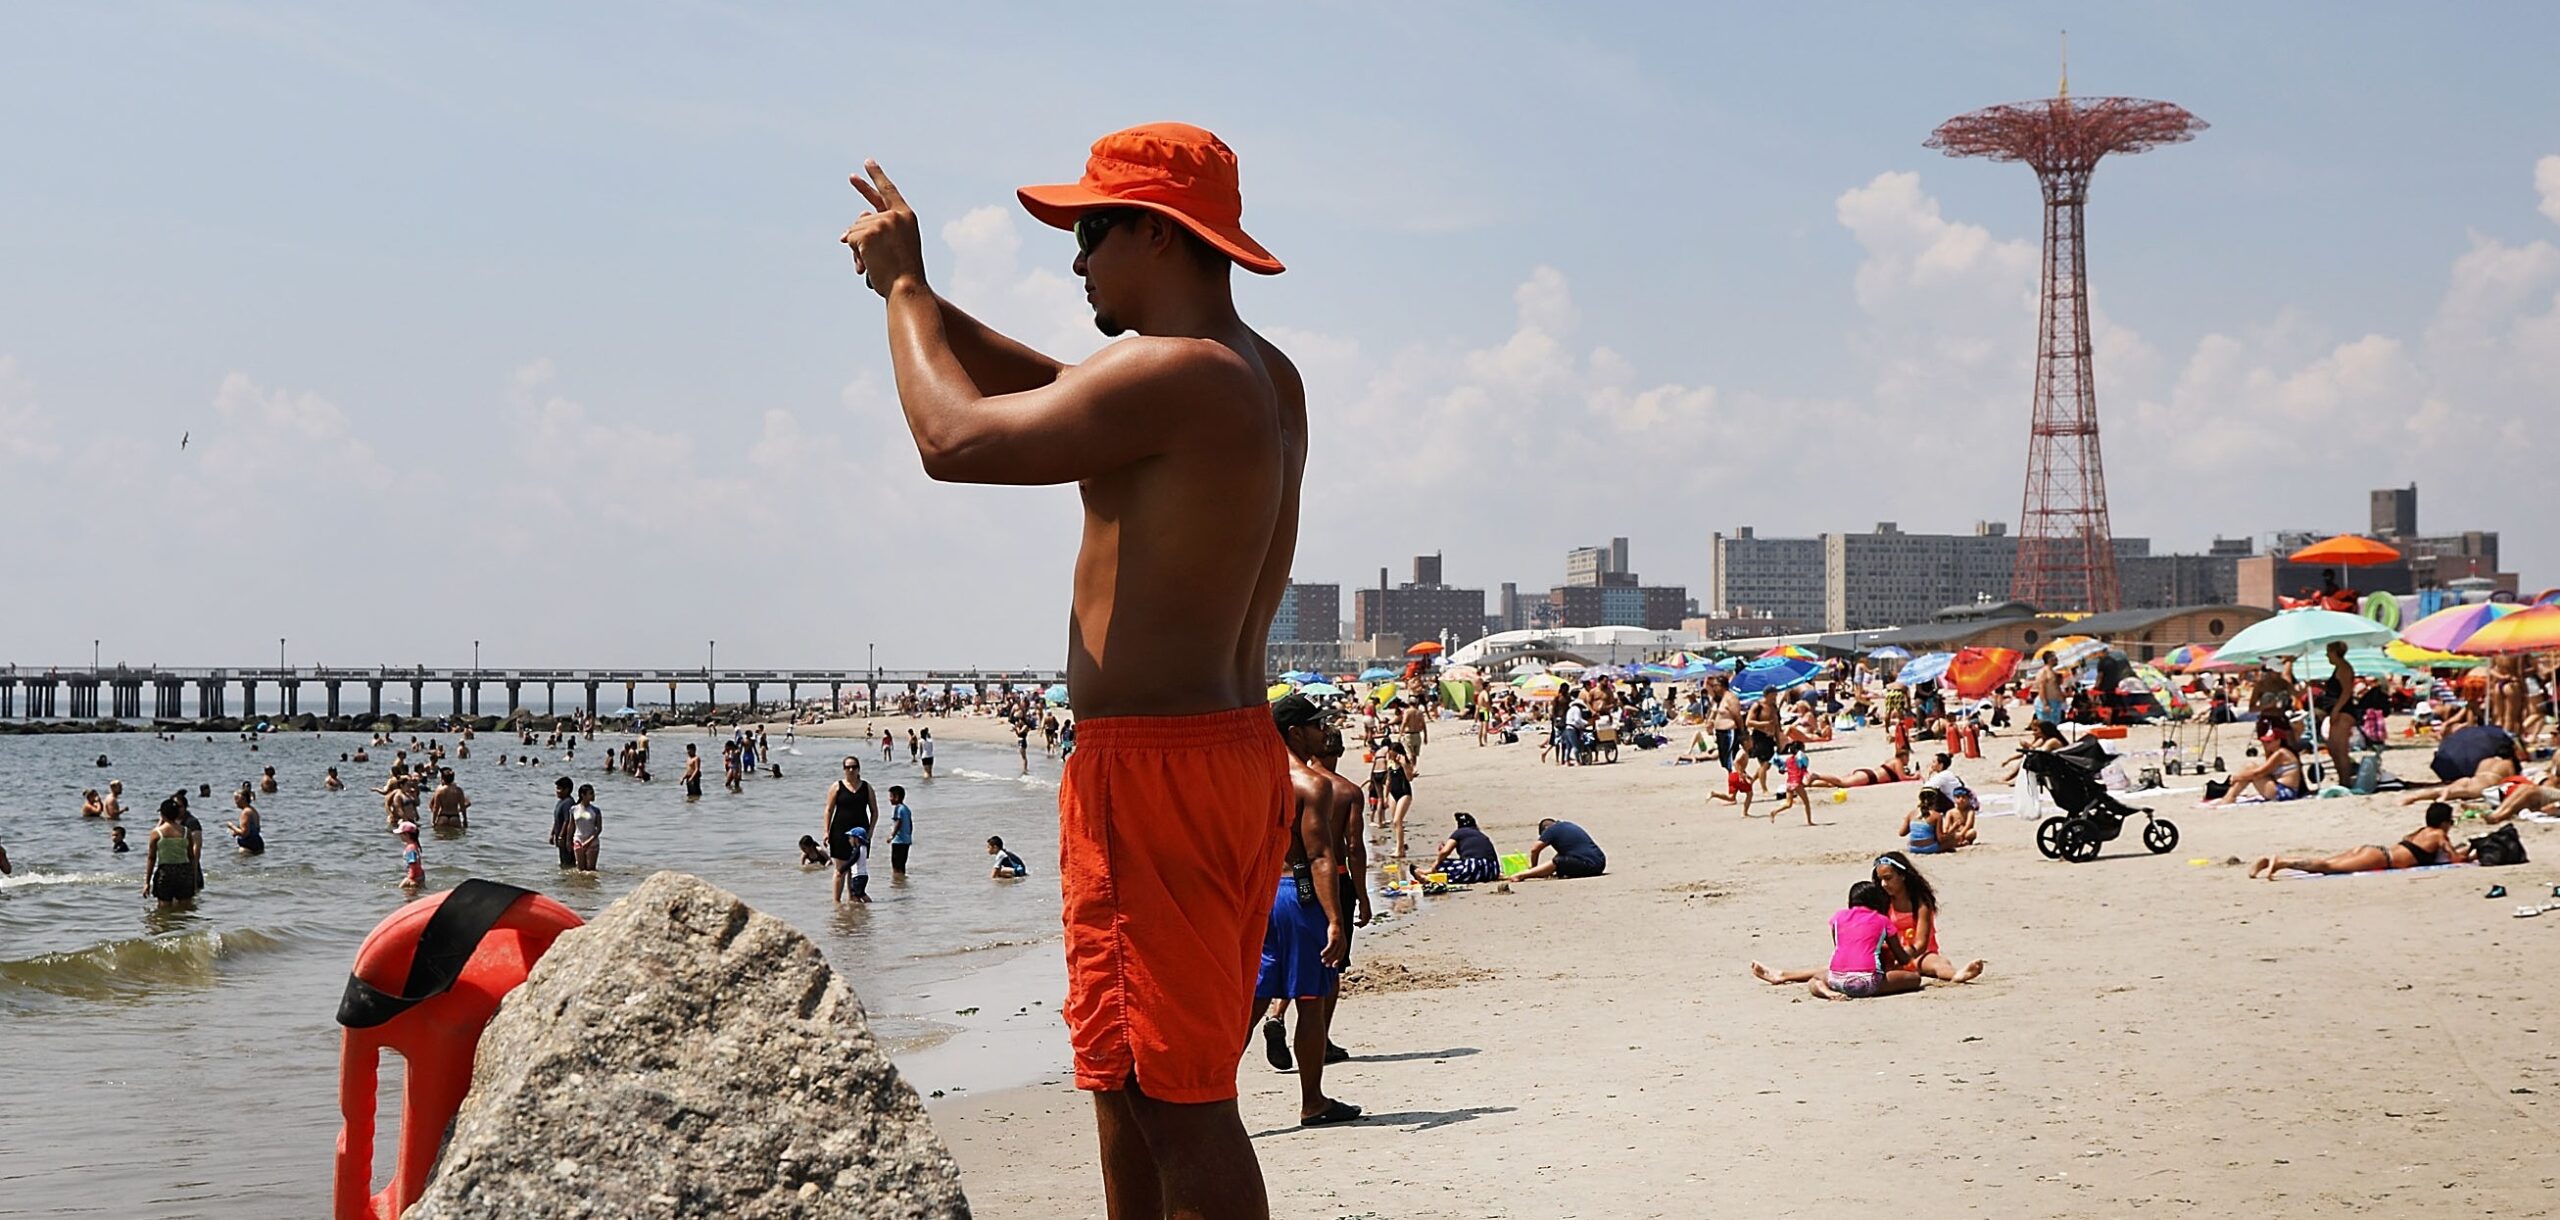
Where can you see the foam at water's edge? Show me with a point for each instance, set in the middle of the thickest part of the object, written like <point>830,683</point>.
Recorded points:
<point>31,880</point>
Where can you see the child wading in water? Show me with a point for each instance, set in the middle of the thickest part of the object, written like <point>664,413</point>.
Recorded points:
<point>411,858</point>
<point>1866,958</point>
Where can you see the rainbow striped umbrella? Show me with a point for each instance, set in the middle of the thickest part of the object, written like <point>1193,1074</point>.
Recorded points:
<point>2534,630</point>
<point>2186,655</point>
<point>2446,629</point>
<point>1796,651</point>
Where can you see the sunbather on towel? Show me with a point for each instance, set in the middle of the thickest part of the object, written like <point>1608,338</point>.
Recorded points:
<point>2432,843</point>
<point>2529,798</point>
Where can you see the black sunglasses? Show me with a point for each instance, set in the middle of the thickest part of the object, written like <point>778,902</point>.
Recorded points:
<point>1092,225</point>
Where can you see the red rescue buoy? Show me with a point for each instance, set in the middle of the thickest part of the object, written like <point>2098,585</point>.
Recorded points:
<point>425,982</point>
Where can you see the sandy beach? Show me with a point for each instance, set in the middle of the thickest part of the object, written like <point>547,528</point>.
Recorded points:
<point>2154,1034</point>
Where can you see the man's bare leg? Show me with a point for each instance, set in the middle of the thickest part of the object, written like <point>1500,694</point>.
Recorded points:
<point>1312,1024</point>
<point>1177,1162</point>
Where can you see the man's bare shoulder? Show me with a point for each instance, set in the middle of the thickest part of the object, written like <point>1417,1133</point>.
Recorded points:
<point>1189,366</point>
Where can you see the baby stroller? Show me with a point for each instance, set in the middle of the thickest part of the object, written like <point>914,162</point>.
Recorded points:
<point>2092,816</point>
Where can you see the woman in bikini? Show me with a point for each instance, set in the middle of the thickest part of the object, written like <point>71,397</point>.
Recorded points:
<point>1893,771</point>
<point>2276,777</point>
<point>2432,843</point>
<point>1914,908</point>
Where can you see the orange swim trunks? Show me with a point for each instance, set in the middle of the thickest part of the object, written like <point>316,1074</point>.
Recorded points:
<point>1170,829</point>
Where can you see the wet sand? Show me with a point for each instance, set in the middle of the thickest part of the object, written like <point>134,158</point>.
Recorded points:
<point>2153,1035</point>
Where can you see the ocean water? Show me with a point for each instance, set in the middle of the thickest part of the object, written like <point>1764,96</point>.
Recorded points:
<point>182,1061</point>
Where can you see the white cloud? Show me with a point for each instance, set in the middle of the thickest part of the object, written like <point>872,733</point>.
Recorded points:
<point>25,430</point>
<point>2546,179</point>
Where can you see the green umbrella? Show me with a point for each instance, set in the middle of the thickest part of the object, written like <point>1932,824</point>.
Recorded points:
<point>2296,633</point>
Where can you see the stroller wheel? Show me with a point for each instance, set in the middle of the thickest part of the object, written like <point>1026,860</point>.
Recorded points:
<point>2160,836</point>
<point>2049,837</point>
<point>2078,845</point>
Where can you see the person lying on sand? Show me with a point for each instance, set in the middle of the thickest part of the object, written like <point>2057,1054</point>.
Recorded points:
<point>1893,771</point>
<point>2430,844</point>
<point>2493,771</point>
<point>2529,798</point>
<point>1866,958</point>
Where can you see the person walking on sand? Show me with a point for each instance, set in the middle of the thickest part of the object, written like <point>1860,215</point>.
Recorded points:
<point>1354,907</point>
<point>1307,938</point>
<point>1187,445</point>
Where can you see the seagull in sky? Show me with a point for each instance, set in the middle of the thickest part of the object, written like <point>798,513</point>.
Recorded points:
<point>182,441</point>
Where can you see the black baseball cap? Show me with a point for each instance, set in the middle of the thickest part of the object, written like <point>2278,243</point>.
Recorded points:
<point>1294,710</point>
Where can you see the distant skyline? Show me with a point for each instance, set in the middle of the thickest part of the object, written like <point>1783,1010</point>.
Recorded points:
<point>514,325</point>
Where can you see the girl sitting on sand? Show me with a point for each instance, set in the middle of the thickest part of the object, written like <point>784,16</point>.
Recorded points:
<point>2432,843</point>
<point>1913,907</point>
<point>1930,828</point>
<point>1866,958</point>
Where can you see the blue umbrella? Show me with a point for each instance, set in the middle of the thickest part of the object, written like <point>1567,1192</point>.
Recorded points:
<point>1928,667</point>
<point>1889,653</point>
<point>1299,675</point>
<point>1774,673</point>
<point>1377,673</point>
<point>1057,693</point>
<point>1320,690</point>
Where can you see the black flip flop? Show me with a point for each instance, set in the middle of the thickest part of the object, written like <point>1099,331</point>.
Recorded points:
<point>1334,1054</point>
<point>1334,1112</point>
<point>1275,1045</point>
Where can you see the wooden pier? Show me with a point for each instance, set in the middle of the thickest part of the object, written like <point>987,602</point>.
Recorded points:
<point>117,692</point>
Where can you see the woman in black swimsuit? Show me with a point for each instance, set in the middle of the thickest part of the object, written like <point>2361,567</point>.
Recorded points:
<point>2429,844</point>
<point>850,803</point>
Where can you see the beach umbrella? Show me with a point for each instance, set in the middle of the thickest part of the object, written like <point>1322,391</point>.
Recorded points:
<point>1975,672</point>
<point>1299,675</point>
<point>2297,633</point>
<point>1889,653</point>
<point>2446,629</point>
<point>1056,694</point>
<point>1660,672</point>
<point>1424,649</point>
<point>1462,673</point>
<point>1772,674</point>
<point>1927,667</point>
<point>2370,662</point>
<point>2071,650</point>
<point>1278,692</point>
<point>1567,667</point>
<point>1539,686</point>
<point>1384,692</point>
<point>2547,597</point>
<point>2532,630</point>
<point>2186,655</point>
<point>626,710</point>
<point>1794,651</point>
<point>1377,673</point>
<point>2427,658</point>
<point>2345,550</point>
<point>1320,690</point>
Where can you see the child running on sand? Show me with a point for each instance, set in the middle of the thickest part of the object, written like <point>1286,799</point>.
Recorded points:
<point>1737,789</point>
<point>1866,958</point>
<point>1791,786</point>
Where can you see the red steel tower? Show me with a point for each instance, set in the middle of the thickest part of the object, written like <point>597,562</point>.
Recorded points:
<point>2066,552</point>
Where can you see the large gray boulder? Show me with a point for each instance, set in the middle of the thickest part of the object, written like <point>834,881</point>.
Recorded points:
<point>686,1055</point>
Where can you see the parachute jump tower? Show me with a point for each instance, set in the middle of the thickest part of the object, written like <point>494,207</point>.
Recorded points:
<point>2066,550</point>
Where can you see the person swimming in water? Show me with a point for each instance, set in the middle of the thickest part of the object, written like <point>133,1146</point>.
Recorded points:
<point>245,831</point>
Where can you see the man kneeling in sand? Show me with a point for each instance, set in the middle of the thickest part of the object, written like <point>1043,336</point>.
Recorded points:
<point>1575,854</point>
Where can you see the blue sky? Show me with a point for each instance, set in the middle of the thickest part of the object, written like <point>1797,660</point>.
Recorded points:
<point>523,324</point>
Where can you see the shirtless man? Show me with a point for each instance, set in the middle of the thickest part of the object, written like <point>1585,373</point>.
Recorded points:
<point>692,772</point>
<point>1307,937</point>
<point>1354,906</point>
<point>1187,444</point>
<point>450,806</point>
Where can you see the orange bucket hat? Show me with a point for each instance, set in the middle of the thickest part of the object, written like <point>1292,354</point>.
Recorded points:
<point>1172,169</point>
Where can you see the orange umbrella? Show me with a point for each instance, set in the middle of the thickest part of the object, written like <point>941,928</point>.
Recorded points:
<point>1423,649</point>
<point>2345,550</point>
<point>1975,672</point>
<point>2534,630</point>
